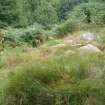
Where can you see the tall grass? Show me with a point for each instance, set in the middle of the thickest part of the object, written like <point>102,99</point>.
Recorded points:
<point>63,80</point>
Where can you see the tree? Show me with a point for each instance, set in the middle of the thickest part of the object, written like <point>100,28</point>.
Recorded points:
<point>8,14</point>
<point>26,12</point>
<point>89,13</point>
<point>65,6</point>
<point>40,11</point>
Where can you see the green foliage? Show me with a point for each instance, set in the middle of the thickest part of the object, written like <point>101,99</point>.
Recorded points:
<point>101,36</point>
<point>17,37</point>
<point>65,6</point>
<point>12,38</point>
<point>28,79</point>
<point>64,28</point>
<point>26,12</point>
<point>20,13</point>
<point>8,14</point>
<point>89,13</point>
<point>40,11</point>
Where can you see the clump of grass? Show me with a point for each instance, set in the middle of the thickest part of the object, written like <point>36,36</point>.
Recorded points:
<point>54,42</point>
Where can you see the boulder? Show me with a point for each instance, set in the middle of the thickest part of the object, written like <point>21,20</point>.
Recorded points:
<point>90,47</point>
<point>88,36</point>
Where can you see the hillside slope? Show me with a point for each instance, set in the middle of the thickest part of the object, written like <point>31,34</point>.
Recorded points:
<point>63,71</point>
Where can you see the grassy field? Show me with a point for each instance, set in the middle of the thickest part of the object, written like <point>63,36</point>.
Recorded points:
<point>56,73</point>
<point>52,52</point>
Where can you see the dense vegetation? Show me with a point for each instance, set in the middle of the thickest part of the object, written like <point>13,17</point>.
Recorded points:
<point>34,70</point>
<point>45,18</point>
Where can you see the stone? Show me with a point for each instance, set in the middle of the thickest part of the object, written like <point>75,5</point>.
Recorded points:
<point>90,47</point>
<point>88,36</point>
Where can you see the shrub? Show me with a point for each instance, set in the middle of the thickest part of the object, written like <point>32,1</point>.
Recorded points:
<point>64,28</point>
<point>17,37</point>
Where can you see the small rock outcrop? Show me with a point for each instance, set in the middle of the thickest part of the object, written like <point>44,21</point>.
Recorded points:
<point>88,36</point>
<point>90,47</point>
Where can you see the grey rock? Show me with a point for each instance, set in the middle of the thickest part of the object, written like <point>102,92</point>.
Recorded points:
<point>90,47</point>
<point>88,36</point>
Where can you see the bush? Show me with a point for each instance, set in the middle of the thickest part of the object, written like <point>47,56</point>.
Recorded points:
<point>17,37</point>
<point>64,28</point>
<point>36,34</point>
